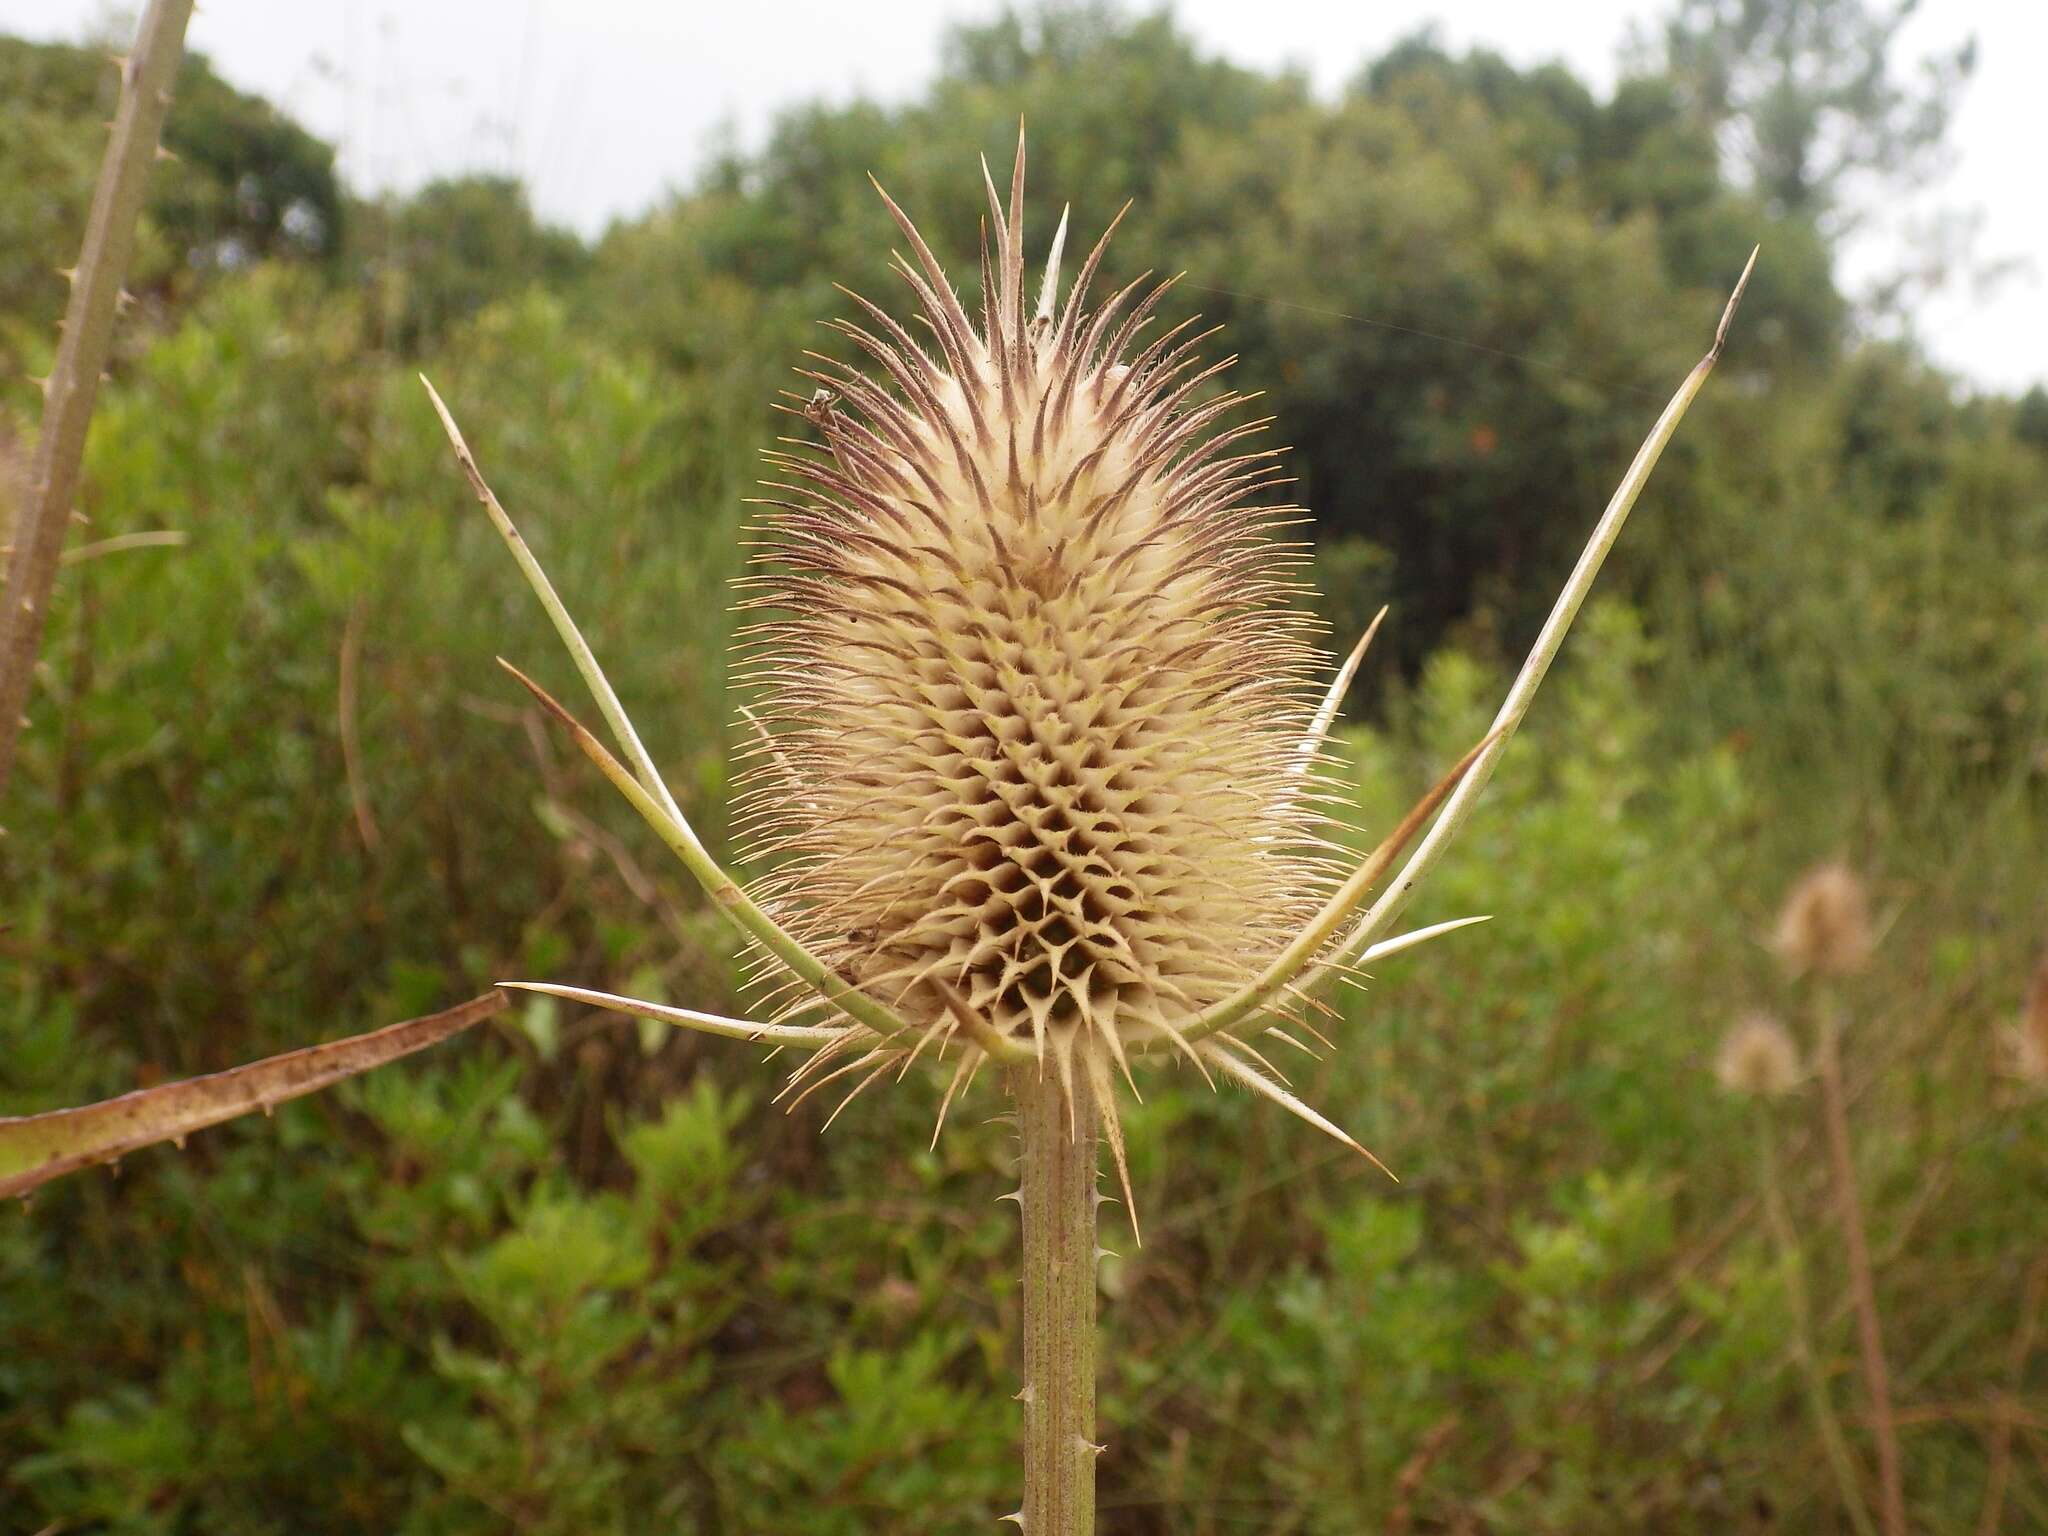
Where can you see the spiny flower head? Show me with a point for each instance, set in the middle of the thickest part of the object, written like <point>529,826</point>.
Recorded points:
<point>1033,682</point>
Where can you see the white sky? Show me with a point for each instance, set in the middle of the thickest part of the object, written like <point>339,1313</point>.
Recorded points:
<point>602,104</point>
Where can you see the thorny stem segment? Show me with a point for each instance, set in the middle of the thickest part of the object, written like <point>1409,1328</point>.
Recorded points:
<point>1057,1126</point>
<point>1862,1288</point>
<point>1792,1268</point>
<point>74,382</point>
<point>37,1148</point>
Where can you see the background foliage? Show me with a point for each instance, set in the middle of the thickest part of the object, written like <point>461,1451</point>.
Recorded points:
<point>578,1276</point>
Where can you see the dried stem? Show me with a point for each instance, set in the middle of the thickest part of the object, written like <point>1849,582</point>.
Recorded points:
<point>1991,1518</point>
<point>1792,1268</point>
<point>346,689</point>
<point>1862,1288</point>
<point>1057,1126</point>
<point>74,382</point>
<point>37,1148</point>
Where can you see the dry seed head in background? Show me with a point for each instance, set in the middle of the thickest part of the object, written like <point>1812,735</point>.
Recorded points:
<point>2029,1038</point>
<point>1035,698</point>
<point>1757,1057</point>
<point>1824,927</point>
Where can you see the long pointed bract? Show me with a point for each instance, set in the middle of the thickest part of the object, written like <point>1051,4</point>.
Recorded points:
<point>687,1018</point>
<point>1249,1076</point>
<point>558,613</point>
<point>1326,713</point>
<point>740,908</point>
<point>1302,951</point>
<point>1430,850</point>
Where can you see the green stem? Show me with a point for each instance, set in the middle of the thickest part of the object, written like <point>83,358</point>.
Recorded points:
<point>1792,1266</point>
<point>74,383</point>
<point>1057,1128</point>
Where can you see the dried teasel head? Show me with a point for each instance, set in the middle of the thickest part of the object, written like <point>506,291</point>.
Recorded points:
<point>1038,762</point>
<point>1758,1057</point>
<point>1034,687</point>
<point>1824,927</point>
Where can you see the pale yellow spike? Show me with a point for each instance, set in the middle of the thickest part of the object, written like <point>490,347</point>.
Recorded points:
<point>1400,942</point>
<point>1326,713</point>
<point>963,1076</point>
<point>1048,291</point>
<point>881,1067</point>
<point>775,755</point>
<point>1104,1088</point>
<point>687,1018</point>
<point>810,1083</point>
<point>1247,1076</point>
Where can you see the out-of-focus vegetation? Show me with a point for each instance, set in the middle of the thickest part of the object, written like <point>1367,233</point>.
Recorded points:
<point>578,1277</point>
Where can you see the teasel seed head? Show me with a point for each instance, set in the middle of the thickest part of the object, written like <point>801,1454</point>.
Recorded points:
<point>1037,758</point>
<point>1031,672</point>
<point>1757,1057</point>
<point>1824,927</point>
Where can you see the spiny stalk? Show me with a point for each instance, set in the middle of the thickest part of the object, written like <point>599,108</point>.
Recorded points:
<point>88,337</point>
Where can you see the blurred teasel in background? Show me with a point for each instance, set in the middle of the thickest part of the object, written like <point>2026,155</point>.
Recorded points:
<point>1758,1058</point>
<point>1824,926</point>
